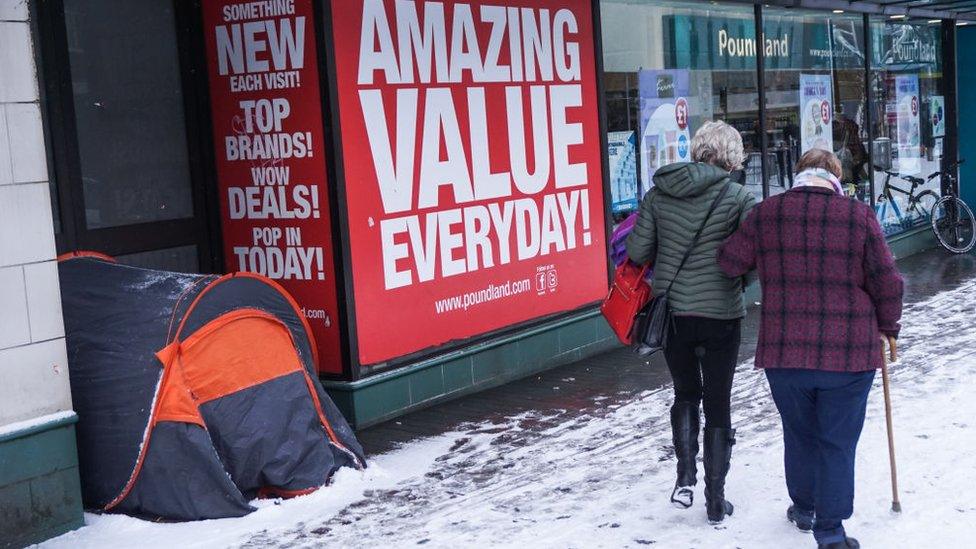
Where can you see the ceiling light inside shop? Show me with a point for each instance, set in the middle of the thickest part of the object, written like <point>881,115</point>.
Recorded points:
<point>931,21</point>
<point>900,16</point>
<point>838,11</point>
<point>962,23</point>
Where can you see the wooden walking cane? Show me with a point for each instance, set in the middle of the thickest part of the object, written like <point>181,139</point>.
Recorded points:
<point>893,348</point>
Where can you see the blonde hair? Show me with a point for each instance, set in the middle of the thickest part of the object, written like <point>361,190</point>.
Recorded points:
<point>819,158</point>
<point>718,144</point>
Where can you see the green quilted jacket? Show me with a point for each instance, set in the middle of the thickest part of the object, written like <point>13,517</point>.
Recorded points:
<point>669,215</point>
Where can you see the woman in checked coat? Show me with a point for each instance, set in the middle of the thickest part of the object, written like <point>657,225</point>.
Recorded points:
<point>831,290</point>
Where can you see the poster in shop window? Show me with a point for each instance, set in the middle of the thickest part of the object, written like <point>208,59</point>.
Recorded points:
<point>665,115</point>
<point>622,164</point>
<point>270,154</point>
<point>908,124</point>
<point>816,110</point>
<point>937,115</point>
<point>471,153</point>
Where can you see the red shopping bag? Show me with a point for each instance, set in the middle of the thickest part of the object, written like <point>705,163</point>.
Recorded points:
<point>628,295</point>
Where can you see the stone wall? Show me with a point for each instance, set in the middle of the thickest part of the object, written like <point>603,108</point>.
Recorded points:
<point>39,493</point>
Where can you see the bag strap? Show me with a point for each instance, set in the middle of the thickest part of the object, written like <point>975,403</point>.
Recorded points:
<point>694,240</point>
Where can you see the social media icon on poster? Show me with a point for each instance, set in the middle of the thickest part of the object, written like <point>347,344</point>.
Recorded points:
<point>682,146</point>
<point>553,279</point>
<point>540,282</point>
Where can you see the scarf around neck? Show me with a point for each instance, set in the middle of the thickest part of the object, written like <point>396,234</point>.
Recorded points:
<point>813,176</point>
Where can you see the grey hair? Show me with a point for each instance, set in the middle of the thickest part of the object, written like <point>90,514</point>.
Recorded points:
<point>718,144</point>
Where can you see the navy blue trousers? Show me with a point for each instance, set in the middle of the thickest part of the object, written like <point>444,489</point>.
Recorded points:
<point>823,413</point>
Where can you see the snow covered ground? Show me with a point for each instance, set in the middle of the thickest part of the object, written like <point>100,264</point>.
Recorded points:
<point>602,478</point>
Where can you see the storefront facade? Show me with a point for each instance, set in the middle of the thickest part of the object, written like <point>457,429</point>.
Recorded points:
<point>874,88</point>
<point>40,492</point>
<point>435,182</point>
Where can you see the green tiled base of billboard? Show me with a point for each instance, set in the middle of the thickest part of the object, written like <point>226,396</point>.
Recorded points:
<point>40,493</point>
<point>370,401</point>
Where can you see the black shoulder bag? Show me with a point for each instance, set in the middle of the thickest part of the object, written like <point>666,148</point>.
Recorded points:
<point>655,322</point>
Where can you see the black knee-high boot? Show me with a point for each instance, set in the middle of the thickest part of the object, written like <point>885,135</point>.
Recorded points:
<point>718,455</point>
<point>684,431</point>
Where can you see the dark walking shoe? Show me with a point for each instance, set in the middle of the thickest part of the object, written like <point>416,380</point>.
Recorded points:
<point>718,456</point>
<point>802,519</point>
<point>847,543</point>
<point>684,431</point>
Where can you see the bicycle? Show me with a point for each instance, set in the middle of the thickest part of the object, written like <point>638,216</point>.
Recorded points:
<point>920,206</point>
<point>952,220</point>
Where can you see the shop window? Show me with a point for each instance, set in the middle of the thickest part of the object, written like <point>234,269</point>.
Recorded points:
<point>668,68</point>
<point>909,118</point>
<point>128,107</point>
<point>815,94</point>
<point>127,147</point>
<point>181,259</point>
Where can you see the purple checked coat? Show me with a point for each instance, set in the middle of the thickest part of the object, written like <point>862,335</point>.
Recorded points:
<point>829,283</point>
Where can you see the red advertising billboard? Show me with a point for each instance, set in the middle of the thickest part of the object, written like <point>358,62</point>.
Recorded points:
<point>471,148</point>
<point>270,154</point>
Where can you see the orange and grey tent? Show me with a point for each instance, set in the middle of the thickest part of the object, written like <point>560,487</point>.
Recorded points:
<point>194,393</point>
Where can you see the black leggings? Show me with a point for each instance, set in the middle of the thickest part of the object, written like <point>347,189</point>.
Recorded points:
<point>701,355</point>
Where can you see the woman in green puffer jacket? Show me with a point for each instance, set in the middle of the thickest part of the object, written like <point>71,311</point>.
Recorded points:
<point>708,305</point>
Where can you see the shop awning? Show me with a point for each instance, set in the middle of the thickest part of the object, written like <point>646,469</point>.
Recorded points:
<point>963,10</point>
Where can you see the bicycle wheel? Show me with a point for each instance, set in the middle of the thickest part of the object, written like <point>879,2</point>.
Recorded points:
<point>923,206</point>
<point>953,224</point>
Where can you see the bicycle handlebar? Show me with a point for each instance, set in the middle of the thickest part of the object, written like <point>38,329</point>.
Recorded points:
<point>949,167</point>
<point>909,178</point>
<point>919,180</point>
